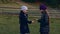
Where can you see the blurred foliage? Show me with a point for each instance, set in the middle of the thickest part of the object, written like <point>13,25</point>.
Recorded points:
<point>31,1</point>
<point>52,3</point>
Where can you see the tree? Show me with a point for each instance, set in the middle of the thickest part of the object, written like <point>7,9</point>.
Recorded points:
<point>52,3</point>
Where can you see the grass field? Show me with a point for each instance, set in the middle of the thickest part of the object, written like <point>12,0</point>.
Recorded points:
<point>9,24</point>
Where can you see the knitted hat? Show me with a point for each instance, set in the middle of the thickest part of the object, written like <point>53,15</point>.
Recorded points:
<point>24,8</point>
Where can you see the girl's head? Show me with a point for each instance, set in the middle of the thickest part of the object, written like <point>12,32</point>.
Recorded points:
<point>42,6</point>
<point>24,9</point>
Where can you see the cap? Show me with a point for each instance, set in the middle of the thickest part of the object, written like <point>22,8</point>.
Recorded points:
<point>24,8</point>
<point>43,7</point>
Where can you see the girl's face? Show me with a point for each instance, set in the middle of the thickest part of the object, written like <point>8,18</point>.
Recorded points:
<point>41,11</point>
<point>25,11</point>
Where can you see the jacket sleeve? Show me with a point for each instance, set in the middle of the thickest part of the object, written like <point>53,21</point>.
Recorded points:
<point>29,22</point>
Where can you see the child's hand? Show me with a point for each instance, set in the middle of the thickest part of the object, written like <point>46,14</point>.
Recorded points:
<point>33,21</point>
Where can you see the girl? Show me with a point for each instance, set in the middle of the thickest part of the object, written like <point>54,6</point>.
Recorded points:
<point>44,21</point>
<point>23,20</point>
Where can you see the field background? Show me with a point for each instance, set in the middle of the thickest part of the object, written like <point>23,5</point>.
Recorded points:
<point>9,19</point>
<point>9,24</point>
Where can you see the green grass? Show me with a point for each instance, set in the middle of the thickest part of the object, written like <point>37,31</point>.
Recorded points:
<point>9,24</point>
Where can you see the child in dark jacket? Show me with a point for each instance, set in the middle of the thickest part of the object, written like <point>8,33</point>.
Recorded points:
<point>44,21</point>
<point>23,20</point>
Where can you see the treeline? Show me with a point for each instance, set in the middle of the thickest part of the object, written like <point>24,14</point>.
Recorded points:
<point>52,3</point>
